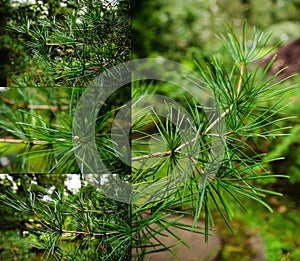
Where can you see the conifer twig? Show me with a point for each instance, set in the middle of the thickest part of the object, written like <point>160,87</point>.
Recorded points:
<point>35,107</point>
<point>179,148</point>
<point>64,231</point>
<point>86,232</point>
<point>34,142</point>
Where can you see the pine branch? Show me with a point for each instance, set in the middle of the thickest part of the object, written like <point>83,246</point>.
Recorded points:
<point>182,146</point>
<point>242,68</point>
<point>239,87</point>
<point>64,231</point>
<point>96,68</point>
<point>93,211</point>
<point>153,155</point>
<point>33,142</point>
<point>35,107</point>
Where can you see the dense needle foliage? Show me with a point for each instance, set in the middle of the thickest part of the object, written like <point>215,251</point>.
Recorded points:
<point>36,124</point>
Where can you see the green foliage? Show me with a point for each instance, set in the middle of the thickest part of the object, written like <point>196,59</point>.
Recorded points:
<point>288,146</point>
<point>69,48</point>
<point>14,247</point>
<point>277,230</point>
<point>40,132</point>
<point>76,227</point>
<point>104,228</point>
<point>186,31</point>
<point>69,51</point>
<point>15,58</point>
<point>73,48</point>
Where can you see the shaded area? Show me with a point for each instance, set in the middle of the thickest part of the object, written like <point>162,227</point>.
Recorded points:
<point>222,245</point>
<point>287,56</point>
<point>199,249</point>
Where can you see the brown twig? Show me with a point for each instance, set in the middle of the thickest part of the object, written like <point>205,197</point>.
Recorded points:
<point>64,231</point>
<point>238,90</point>
<point>35,107</point>
<point>34,142</point>
<point>107,63</point>
<point>86,232</point>
<point>39,217</point>
<point>93,211</point>
<point>195,162</point>
<point>153,155</point>
<point>179,148</point>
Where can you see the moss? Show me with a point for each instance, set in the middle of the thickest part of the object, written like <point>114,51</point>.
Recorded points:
<point>278,231</point>
<point>235,247</point>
